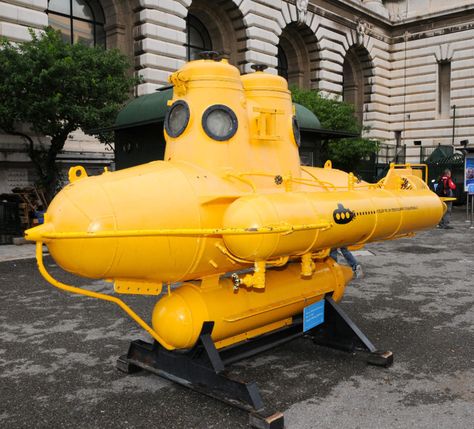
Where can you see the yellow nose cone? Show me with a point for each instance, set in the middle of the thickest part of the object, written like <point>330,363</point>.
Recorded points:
<point>79,207</point>
<point>38,233</point>
<point>173,321</point>
<point>178,317</point>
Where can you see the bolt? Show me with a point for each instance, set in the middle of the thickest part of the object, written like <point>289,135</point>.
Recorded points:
<point>236,281</point>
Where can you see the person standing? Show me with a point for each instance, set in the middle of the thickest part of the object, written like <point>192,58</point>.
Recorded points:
<point>446,188</point>
<point>351,260</point>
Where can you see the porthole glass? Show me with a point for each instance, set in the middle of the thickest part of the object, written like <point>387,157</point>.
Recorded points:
<point>177,118</point>
<point>219,122</point>
<point>296,131</point>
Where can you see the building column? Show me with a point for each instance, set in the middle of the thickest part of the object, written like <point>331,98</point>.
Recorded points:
<point>159,38</point>
<point>263,30</point>
<point>17,16</point>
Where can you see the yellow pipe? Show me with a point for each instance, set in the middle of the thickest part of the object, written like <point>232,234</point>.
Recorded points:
<point>85,292</point>
<point>314,181</point>
<point>40,236</point>
<point>242,179</point>
<point>279,262</point>
<point>296,179</point>
<point>307,265</point>
<point>257,279</point>
<point>319,182</point>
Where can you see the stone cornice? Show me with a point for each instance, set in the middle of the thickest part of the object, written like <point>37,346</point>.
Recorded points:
<point>461,11</point>
<point>360,10</point>
<point>463,15</point>
<point>417,26</point>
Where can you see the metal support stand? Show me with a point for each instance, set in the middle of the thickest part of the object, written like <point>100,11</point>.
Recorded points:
<point>203,368</point>
<point>339,332</point>
<point>467,207</point>
<point>472,211</point>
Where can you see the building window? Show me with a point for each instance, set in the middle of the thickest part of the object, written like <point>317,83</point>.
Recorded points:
<point>197,38</point>
<point>357,71</point>
<point>282,63</point>
<point>79,21</point>
<point>444,88</point>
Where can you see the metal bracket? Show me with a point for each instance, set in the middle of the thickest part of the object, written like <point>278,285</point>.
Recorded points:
<point>137,287</point>
<point>339,332</point>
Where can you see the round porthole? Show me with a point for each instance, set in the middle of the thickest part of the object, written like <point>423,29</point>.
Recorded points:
<point>177,118</point>
<point>296,131</point>
<point>219,122</point>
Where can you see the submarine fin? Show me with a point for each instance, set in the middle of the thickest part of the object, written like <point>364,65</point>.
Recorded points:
<point>393,179</point>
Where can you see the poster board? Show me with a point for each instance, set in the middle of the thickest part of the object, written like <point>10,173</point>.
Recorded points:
<point>468,171</point>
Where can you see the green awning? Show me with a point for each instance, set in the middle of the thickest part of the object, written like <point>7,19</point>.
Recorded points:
<point>309,124</point>
<point>307,120</point>
<point>144,110</point>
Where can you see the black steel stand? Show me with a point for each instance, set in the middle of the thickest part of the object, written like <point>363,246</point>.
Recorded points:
<point>339,332</point>
<point>203,368</point>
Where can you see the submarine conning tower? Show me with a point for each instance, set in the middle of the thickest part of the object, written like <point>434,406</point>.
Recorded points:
<point>226,123</point>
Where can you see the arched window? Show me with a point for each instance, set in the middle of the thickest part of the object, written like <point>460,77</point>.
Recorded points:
<point>79,21</point>
<point>282,66</point>
<point>298,56</point>
<point>197,38</point>
<point>357,71</point>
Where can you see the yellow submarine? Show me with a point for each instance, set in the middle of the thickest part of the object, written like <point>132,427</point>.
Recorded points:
<point>230,194</point>
<point>229,228</point>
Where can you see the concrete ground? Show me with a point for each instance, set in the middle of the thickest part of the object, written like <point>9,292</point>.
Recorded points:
<point>11,252</point>
<point>58,352</point>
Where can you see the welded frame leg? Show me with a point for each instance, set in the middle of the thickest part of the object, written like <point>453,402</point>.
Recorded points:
<point>123,365</point>
<point>203,370</point>
<point>339,332</point>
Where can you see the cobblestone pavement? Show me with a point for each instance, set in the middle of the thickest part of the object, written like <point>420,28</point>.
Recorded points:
<point>58,352</point>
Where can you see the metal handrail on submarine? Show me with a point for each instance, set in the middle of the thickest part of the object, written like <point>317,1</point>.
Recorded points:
<point>233,219</point>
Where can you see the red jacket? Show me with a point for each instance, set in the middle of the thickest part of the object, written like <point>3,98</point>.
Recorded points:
<point>448,183</point>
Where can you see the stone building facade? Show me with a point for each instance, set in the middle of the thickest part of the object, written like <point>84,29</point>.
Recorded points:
<point>404,64</point>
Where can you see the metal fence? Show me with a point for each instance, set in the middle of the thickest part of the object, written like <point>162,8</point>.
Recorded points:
<point>375,167</point>
<point>437,157</point>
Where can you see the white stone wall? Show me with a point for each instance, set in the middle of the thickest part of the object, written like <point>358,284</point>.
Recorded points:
<point>334,39</point>
<point>262,21</point>
<point>414,86</point>
<point>159,37</point>
<point>161,33</point>
<point>401,9</point>
<point>17,16</point>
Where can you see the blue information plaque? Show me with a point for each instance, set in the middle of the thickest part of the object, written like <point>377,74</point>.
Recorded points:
<point>313,315</point>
